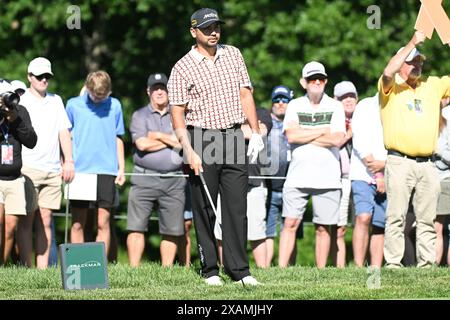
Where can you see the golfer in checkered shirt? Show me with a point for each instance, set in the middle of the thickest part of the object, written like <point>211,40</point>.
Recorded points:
<point>210,93</point>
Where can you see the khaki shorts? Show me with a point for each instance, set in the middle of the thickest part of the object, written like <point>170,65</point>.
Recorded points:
<point>43,189</point>
<point>12,195</point>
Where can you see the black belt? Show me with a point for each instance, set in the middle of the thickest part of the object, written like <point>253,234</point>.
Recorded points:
<point>235,127</point>
<point>417,159</point>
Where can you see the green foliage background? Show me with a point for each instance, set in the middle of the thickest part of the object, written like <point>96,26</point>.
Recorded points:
<point>131,39</point>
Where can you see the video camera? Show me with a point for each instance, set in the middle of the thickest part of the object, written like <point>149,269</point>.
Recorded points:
<point>9,100</point>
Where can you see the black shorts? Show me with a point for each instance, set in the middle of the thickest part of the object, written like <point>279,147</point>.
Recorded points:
<point>106,194</point>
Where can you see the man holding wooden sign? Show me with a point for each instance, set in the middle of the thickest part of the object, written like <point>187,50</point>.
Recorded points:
<point>410,112</point>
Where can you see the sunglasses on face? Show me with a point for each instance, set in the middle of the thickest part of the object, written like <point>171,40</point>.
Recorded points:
<point>414,62</point>
<point>43,76</point>
<point>209,29</point>
<point>314,79</point>
<point>278,100</point>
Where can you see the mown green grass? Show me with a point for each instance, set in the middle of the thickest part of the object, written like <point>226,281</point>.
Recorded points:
<point>151,281</point>
<point>301,282</point>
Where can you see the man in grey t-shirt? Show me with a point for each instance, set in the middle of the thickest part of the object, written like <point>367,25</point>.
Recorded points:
<point>156,151</point>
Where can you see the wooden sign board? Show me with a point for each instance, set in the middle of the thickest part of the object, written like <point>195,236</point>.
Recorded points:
<point>433,16</point>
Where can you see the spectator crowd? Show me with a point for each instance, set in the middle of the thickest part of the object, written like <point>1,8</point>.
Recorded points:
<point>367,163</point>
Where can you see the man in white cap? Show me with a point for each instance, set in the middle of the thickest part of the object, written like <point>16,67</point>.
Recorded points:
<point>315,126</point>
<point>15,130</point>
<point>410,112</point>
<point>43,164</point>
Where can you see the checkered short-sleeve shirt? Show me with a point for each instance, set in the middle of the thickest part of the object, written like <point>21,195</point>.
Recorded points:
<point>210,89</point>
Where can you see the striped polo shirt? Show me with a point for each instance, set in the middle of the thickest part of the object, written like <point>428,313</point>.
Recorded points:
<point>210,88</point>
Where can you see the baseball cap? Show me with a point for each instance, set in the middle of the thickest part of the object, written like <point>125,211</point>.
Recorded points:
<point>344,87</point>
<point>204,17</point>
<point>18,85</point>
<point>414,53</point>
<point>282,91</point>
<point>40,66</point>
<point>313,68</point>
<point>5,86</point>
<point>157,78</point>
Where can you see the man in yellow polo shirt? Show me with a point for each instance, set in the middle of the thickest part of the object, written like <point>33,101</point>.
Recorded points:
<point>410,111</point>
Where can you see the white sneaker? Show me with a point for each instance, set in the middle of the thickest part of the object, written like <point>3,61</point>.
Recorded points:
<point>249,281</point>
<point>214,281</point>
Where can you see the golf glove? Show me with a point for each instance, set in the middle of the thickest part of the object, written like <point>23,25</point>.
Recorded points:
<point>255,145</point>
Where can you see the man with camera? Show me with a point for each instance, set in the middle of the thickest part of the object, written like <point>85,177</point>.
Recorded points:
<point>15,131</point>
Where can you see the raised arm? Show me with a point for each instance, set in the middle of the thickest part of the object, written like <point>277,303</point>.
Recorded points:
<point>397,61</point>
